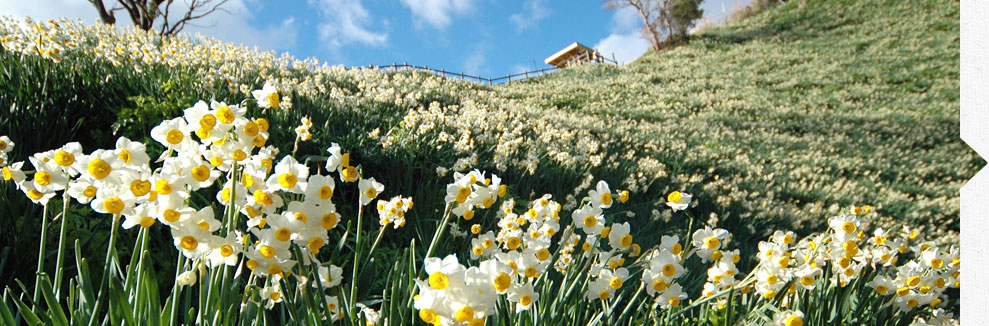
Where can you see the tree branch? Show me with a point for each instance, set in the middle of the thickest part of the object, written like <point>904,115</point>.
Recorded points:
<point>105,16</point>
<point>197,10</point>
<point>144,13</point>
<point>659,26</point>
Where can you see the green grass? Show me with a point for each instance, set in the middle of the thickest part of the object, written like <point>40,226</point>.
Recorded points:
<point>842,102</point>
<point>775,122</point>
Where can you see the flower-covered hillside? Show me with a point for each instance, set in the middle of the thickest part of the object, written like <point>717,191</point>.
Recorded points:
<point>807,157</point>
<point>781,120</point>
<point>788,114</point>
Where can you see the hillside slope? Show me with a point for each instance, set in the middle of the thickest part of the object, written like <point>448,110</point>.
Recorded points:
<point>794,112</point>
<point>778,121</point>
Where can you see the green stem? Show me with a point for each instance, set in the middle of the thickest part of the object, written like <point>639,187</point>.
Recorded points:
<point>204,292</point>
<point>439,232</point>
<point>745,281</point>
<point>41,259</point>
<point>243,301</point>
<point>381,232</point>
<point>731,308</point>
<point>437,235</point>
<point>314,273</point>
<point>61,246</point>
<point>143,243</point>
<point>230,213</point>
<point>630,303</point>
<point>357,255</point>
<point>295,146</point>
<point>180,261</point>
<point>105,280</point>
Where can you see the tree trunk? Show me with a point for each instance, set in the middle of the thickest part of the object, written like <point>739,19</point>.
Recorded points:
<point>652,35</point>
<point>105,16</point>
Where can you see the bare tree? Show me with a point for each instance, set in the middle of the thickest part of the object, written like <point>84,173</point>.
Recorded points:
<point>145,13</point>
<point>653,26</point>
<point>663,21</point>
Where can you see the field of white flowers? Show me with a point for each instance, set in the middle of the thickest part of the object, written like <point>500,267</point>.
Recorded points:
<point>801,166</point>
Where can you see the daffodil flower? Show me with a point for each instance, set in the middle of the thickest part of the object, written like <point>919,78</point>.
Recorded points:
<point>172,211</point>
<point>590,219</point>
<point>708,240</point>
<point>678,201</point>
<point>619,237</point>
<point>788,318</point>
<point>444,272</point>
<point>186,278</point>
<point>173,135</point>
<point>69,158</point>
<point>289,176</point>
<point>113,199</point>
<point>599,289</point>
<point>48,177</point>
<point>191,240</point>
<point>330,276</point>
<point>37,196</point>
<point>142,215</point>
<point>131,153</point>
<point>369,189</point>
<point>601,195</point>
<point>671,297</point>
<point>83,190</point>
<point>224,250</point>
<point>267,96</point>
<point>336,160</point>
<point>271,294</point>
<point>227,116</point>
<point>6,145</point>
<point>523,297</point>
<point>333,305</point>
<point>319,189</point>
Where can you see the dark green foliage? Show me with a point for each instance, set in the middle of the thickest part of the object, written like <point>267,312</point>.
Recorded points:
<point>683,15</point>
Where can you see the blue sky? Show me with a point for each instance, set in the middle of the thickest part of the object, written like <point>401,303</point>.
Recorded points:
<point>487,37</point>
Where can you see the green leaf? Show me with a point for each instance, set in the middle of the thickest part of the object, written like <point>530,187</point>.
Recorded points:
<point>88,298</point>
<point>5,315</point>
<point>150,284</point>
<point>54,308</point>
<point>165,318</point>
<point>25,311</point>
<point>120,309</point>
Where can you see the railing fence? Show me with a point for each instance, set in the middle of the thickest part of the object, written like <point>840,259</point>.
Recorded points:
<point>582,58</point>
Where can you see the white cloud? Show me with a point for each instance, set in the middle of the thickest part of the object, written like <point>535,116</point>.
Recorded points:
<point>234,26</point>
<point>474,63</point>
<point>438,13</point>
<point>344,22</point>
<point>518,69</point>
<point>625,20</point>
<point>533,12</point>
<point>625,41</point>
<point>625,47</point>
